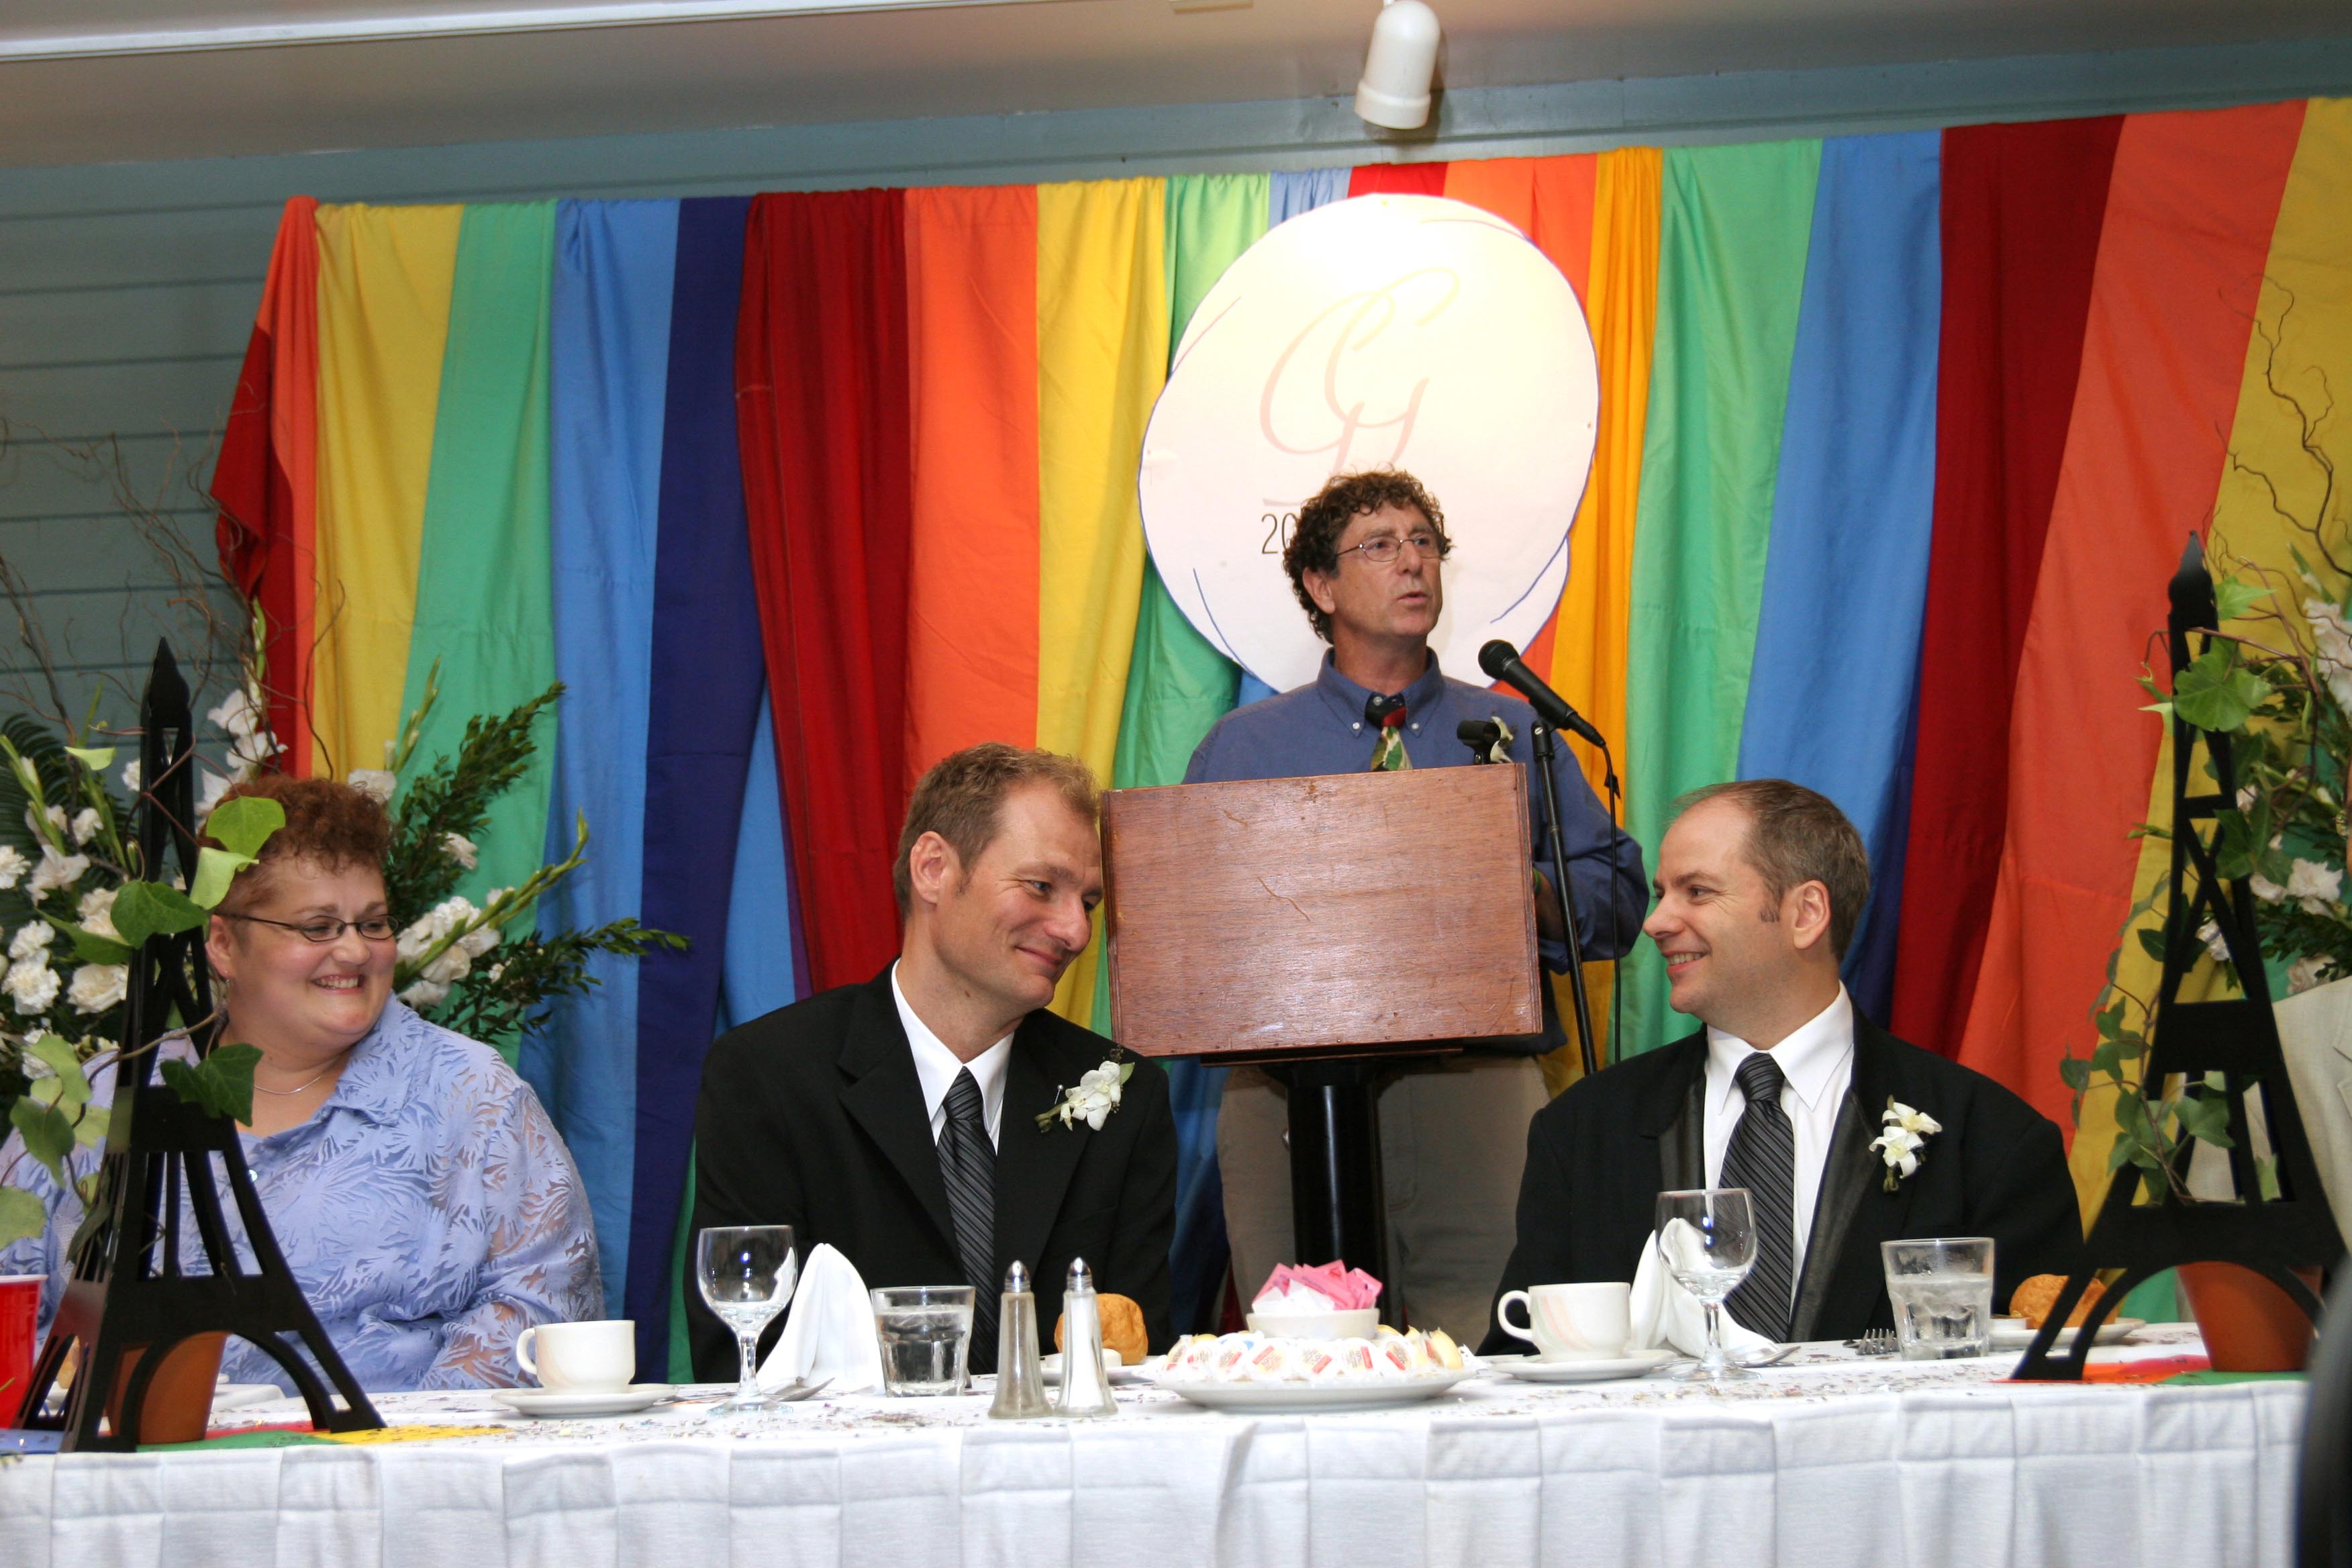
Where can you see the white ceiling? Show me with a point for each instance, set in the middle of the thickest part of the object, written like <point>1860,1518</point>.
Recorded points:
<point>910,63</point>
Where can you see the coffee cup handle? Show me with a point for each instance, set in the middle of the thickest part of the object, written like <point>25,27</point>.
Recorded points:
<point>1503,1316</point>
<point>522,1351</point>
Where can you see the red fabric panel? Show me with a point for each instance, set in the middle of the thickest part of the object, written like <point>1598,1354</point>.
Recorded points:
<point>1397,179</point>
<point>822,404</point>
<point>264,479</point>
<point>2024,206</point>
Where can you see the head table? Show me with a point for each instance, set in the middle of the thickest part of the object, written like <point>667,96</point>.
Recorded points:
<point>1825,1462</point>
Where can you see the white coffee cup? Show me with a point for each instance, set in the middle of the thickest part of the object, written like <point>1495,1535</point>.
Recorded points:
<point>581,1358</point>
<point>1572,1322</point>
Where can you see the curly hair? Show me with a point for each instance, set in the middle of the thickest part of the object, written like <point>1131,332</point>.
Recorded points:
<point>327,824</point>
<point>1314,543</point>
<point>959,797</point>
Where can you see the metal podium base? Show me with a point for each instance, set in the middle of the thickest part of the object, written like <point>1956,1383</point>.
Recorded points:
<point>1339,1206</point>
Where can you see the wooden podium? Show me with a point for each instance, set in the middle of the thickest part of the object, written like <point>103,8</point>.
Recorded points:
<point>1323,927</point>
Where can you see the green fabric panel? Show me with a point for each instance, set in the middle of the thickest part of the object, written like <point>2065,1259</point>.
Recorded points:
<point>681,1353</point>
<point>2156,1299</point>
<point>483,596</point>
<point>1178,684</point>
<point>1735,225</point>
<point>2206,1379</point>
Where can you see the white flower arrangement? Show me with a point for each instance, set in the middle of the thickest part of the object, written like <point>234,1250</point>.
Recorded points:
<point>1906,1133</point>
<point>462,934</point>
<point>1092,1101</point>
<point>377,784</point>
<point>98,987</point>
<point>12,867</point>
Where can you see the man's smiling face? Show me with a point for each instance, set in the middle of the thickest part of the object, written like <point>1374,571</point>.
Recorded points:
<point>1715,922</point>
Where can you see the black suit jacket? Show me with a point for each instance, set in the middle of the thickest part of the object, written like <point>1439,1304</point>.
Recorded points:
<point>1599,1155</point>
<point>813,1116</point>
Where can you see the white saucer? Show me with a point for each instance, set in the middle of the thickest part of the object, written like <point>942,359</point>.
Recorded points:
<point>1117,1371</point>
<point>564,1402</point>
<point>2012,1334</point>
<point>1305,1396</point>
<point>1528,1369</point>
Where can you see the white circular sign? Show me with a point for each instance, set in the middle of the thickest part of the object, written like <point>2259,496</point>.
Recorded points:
<point>1386,331</point>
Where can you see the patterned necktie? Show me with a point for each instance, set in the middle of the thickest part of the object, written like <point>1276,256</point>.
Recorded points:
<point>1386,716</point>
<point>1763,1158</point>
<point>967,1161</point>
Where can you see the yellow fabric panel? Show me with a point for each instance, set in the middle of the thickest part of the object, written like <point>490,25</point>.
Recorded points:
<point>385,276</point>
<point>1102,355</point>
<point>1588,653</point>
<point>2305,310</point>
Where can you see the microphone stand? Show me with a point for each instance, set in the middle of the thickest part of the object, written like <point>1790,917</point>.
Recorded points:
<point>1545,750</point>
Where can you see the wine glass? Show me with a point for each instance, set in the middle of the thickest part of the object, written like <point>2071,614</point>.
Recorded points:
<point>747,1273</point>
<point>1707,1239</point>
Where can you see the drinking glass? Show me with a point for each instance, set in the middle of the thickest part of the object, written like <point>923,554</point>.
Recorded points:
<point>1942,1292</point>
<point>1706,1237</point>
<point>747,1273</point>
<point>926,1334</point>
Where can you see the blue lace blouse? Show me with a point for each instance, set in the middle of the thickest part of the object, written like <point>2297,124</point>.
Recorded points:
<point>429,1211</point>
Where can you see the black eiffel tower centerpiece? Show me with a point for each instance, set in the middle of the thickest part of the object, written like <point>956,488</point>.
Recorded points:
<point>131,1294</point>
<point>2221,1049</point>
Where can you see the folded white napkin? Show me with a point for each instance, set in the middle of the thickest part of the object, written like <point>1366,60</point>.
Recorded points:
<point>1665,1314</point>
<point>830,1331</point>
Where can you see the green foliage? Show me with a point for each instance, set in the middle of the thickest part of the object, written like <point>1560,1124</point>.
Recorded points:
<point>148,909</point>
<point>21,1216</point>
<point>222,1083</point>
<point>517,991</point>
<point>453,796</point>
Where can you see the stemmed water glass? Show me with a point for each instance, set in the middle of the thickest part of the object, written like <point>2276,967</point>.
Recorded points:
<point>747,1273</point>
<point>1707,1239</point>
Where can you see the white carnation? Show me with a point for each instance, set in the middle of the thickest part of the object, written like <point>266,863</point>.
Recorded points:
<point>97,912</point>
<point>2210,933</point>
<point>56,822</point>
<point>31,985</point>
<point>13,866</point>
<point>33,937</point>
<point>2270,892</point>
<point>374,783</point>
<point>216,786</point>
<point>85,826</point>
<point>240,714</point>
<point>130,775</point>
<point>56,871</point>
<point>460,848</point>
<point>97,986</point>
<point>424,994</point>
<point>2306,972</point>
<point>2317,885</point>
<point>2332,638</point>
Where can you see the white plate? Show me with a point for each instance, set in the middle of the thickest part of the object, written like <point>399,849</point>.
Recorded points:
<point>1118,1372</point>
<point>2012,1334</point>
<point>237,1395</point>
<point>562,1402</point>
<point>1528,1369</point>
<point>1313,1395</point>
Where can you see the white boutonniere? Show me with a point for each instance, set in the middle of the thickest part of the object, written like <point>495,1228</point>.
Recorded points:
<point>1907,1132</point>
<point>1095,1096</point>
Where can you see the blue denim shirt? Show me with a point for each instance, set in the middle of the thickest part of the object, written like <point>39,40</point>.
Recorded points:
<point>1320,728</point>
<point>428,1210</point>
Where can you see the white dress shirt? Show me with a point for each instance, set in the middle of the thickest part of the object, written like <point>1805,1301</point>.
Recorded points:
<point>1818,1062</point>
<point>937,1066</point>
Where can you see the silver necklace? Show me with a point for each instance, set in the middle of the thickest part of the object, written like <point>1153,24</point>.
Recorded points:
<point>298,1088</point>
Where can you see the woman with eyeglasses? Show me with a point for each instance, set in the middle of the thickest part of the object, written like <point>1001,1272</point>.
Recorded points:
<point>422,1199</point>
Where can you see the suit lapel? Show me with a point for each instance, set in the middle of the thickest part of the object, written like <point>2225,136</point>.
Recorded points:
<point>1033,1168</point>
<point>1674,1113</point>
<point>884,1097</point>
<point>1853,1211</point>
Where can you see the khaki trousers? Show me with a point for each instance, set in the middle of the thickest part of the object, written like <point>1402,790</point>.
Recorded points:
<point>1454,1140</point>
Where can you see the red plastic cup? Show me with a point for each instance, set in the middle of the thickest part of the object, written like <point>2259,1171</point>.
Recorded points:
<point>20,1312</point>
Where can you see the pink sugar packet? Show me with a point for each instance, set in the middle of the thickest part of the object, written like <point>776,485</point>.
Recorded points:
<point>1329,1287</point>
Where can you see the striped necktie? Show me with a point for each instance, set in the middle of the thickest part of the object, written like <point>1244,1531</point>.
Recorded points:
<point>1763,1158</point>
<point>968,1163</point>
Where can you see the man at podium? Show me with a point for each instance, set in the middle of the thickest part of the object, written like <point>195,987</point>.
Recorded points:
<point>1366,562</point>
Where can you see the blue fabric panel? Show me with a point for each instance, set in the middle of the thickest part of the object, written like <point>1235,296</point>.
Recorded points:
<point>1288,194</point>
<point>706,691</point>
<point>762,919</point>
<point>1253,690</point>
<point>609,367</point>
<point>1831,703</point>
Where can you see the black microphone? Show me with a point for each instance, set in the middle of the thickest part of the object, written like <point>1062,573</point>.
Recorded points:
<point>1481,735</point>
<point>1501,662</point>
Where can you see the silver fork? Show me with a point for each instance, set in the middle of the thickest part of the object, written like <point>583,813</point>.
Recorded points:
<point>1775,1359</point>
<point>1877,1342</point>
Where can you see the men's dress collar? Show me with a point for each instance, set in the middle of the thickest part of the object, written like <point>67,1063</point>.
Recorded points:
<point>936,1066</point>
<point>1346,698</point>
<point>1810,1058</point>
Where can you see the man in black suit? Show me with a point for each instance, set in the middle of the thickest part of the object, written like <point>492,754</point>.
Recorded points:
<point>1759,885</point>
<point>897,1120</point>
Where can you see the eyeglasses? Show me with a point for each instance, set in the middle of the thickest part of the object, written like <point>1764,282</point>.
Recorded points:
<point>1383,548</point>
<point>375,928</point>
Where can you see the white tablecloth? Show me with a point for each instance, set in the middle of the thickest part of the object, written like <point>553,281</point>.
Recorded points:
<point>1870,1464</point>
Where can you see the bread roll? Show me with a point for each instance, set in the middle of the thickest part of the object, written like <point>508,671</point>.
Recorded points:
<point>2037,1295</point>
<point>1122,1328</point>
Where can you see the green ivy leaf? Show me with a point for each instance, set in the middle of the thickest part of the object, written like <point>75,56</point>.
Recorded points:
<point>89,1131</point>
<point>222,1083</point>
<point>147,908</point>
<point>2232,598</point>
<point>22,1216</point>
<point>216,869</point>
<point>244,825</point>
<point>49,1136</point>
<point>2215,694</point>
<point>91,948</point>
<point>2103,1057</point>
<point>2075,1071</point>
<point>2151,941</point>
<point>97,759</point>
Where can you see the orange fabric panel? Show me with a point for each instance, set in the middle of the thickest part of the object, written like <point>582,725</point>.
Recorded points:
<point>2189,214</point>
<point>972,327</point>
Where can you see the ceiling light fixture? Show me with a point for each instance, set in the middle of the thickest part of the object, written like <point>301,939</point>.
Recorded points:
<point>1399,67</point>
<point>368,27</point>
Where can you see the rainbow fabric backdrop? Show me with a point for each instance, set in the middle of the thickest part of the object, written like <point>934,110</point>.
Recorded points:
<point>1901,437</point>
